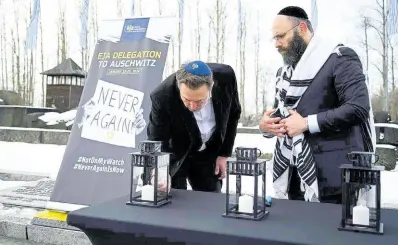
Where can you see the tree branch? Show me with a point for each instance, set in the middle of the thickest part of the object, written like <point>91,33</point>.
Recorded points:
<point>381,36</point>
<point>377,67</point>
<point>380,5</point>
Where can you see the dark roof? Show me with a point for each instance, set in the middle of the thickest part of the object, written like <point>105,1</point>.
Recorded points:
<point>67,68</point>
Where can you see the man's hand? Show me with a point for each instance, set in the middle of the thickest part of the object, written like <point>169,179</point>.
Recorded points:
<point>272,125</point>
<point>162,185</point>
<point>139,122</point>
<point>161,182</point>
<point>221,167</point>
<point>295,124</point>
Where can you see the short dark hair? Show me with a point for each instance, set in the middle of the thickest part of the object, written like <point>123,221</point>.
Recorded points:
<point>294,11</point>
<point>296,21</point>
<point>192,81</point>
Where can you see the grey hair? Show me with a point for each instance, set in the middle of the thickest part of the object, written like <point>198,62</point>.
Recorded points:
<point>297,21</point>
<point>192,81</point>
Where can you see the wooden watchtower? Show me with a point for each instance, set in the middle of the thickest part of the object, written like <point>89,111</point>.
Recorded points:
<point>65,84</point>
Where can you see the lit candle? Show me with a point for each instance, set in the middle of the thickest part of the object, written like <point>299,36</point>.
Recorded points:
<point>147,193</point>
<point>246,204</point>
<point>360,215</point>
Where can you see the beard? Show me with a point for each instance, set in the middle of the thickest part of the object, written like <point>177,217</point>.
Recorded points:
<point>294,51</point>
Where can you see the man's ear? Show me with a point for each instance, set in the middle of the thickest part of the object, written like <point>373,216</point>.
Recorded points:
<point>303,28</point>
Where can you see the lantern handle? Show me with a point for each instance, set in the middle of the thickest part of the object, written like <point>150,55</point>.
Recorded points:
<point>258,153</point>
<point>376,158</point>
<point>350,157</point>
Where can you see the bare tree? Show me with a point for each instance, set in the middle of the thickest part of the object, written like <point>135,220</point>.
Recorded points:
<point>84,49</point>
<point>392,65</point>
<point>180,29</point>
<point>393,98</point>
<point>256,60</point>
<point>365,25</point>
<point>17,49</point>
<point>29,78</point>
<point>198,29</point>
<point>62,38</point>
<point>167,63</point>
<point>3,57</point>
<point>93,31</point>
<point>379,24</point>
<point>13,55</point>
<point>242,58</point>
<point>4,70</point>
<point>28,68</point>
<point>43,81</point>
<point>140,5</point>
<point>94,19</point>
<point>219,23</point>
<point>263,90</point>
<point>25,69</point>
<point>160,7</point>
<point>210,33</point>
<point>119,5</point>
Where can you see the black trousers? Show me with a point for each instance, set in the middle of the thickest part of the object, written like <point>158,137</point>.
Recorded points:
<point>199,169</point>
<point>327,195</point>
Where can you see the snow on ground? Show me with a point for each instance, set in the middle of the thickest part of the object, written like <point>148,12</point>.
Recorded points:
<point>40,159</point>
<point>255,140</point>
<point>52,118</point>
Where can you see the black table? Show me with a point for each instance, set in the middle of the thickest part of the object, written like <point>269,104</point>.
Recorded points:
<point>195,218</point>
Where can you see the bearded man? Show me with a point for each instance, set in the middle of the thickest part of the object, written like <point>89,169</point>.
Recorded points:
<point>321,112</point>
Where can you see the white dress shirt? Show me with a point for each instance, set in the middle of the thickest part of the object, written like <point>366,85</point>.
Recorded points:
<point>206,122</point>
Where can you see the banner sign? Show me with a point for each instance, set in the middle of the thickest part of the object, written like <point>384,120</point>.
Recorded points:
<point>111,119</point>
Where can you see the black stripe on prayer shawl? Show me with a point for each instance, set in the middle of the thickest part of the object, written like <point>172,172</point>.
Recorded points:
<point>286,144</point>
<point>276,103</point>
<point>286,77</point>
<point>282,94</point>
<point>291,100</point>
<point>367,136</point>
<point>306,164</point>
<point>280,162</point>
<point>300,83</point>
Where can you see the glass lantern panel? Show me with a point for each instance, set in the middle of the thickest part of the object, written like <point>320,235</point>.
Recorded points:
<point>163,181</point>
<point>241,185</point>
<point>160,174</point>
<point>142,183</point>
<point>361,197</point>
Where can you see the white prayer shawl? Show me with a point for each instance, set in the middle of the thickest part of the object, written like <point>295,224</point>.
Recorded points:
<point>291,85</point>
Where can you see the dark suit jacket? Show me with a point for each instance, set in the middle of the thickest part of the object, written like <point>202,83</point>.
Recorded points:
<point>340,98</point>
<point>173,124</point>
<point>338,95</point>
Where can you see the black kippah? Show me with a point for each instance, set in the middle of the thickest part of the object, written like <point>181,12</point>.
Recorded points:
<point>294,11</point>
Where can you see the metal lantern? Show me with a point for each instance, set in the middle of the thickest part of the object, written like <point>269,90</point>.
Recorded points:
<point>248,201</point>
<point>386,144</point>
<point>361,189</point>
<point>152,186</point>
<point>150,146</point>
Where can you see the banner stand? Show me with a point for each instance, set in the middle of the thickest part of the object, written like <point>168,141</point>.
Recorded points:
<point>127,65</point>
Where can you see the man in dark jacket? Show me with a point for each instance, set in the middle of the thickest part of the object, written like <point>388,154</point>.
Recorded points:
<point>195,113</point>
<point>321,111</point>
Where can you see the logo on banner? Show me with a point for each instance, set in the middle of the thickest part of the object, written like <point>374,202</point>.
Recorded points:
<point>113,115</point>
<point>135,29</point>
